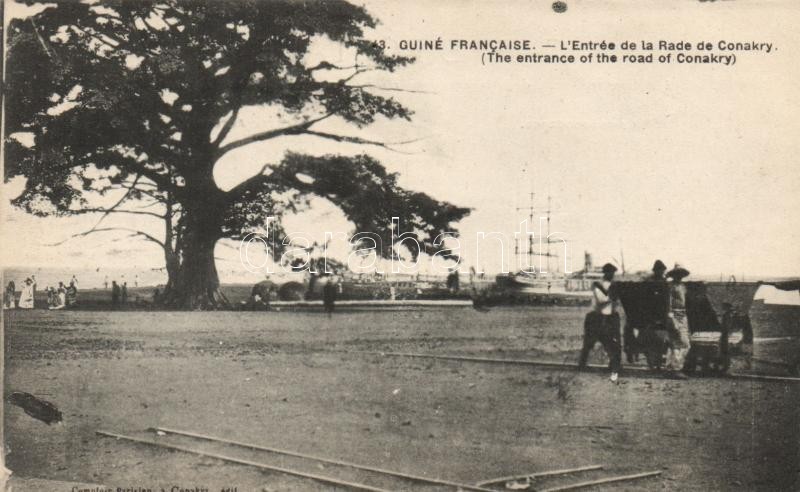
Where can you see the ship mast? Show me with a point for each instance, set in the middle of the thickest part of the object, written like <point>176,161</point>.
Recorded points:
<point>547,240</point>
<point>530,252</point>
<point>548,236</point>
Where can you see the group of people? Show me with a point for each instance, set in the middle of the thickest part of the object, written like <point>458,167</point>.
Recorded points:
<point>119,294</point>
<point>62,296</point>
<point>57,297</point>
<point>602,323</point>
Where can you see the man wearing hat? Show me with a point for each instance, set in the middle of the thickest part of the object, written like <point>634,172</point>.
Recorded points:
<point>602,323</point>
<point>659,268</point>
<point>676,357</point>
<point>657,288</point>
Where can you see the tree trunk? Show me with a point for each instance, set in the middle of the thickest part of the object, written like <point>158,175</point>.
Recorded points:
<point>196,284</point>
<point>173,265</point>
<point>193,281</point>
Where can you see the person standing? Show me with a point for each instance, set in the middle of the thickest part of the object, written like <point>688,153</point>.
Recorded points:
<point>453,280</point>
<point>329,295</point>
<point>678,323</point>
<point>28,291</point>
<point>72,292</point>
<point>10,300</point>
<point>34,285</point>
<point>51,297</point>
<point>602,323</point>
<point>634,345</point>
<point>62,295</point>
<point>124,293</point>
<point>115,291</point>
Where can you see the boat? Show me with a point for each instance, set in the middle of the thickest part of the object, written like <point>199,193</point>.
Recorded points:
<point>546,281</point>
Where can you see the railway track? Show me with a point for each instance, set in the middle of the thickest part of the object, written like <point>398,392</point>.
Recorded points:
<point>557,365</point>
<point>342,475</point>
<point>337,473</point>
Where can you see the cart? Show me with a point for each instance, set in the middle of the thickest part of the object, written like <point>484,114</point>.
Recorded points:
<point>717,312</point>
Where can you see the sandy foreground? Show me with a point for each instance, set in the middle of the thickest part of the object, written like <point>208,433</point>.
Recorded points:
<point>303,382</point>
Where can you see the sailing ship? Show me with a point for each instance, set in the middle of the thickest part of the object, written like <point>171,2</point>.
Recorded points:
<point>547,279</point>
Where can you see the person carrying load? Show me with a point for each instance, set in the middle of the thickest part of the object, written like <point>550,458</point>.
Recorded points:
<point>602,323</point>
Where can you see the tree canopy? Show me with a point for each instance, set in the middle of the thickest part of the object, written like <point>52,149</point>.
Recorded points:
<point>137,99</point>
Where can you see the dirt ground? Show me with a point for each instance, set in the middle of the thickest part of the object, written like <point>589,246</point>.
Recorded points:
<point>302,382</point>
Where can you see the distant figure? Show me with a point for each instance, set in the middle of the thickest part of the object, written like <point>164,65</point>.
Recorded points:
<point>52,302</point>
<point>602,323</point>
<point>136,280</point>
<point>679,336</point>
<point>72,292</point>
<point>62,294</point>
<point>115,292</point>
<point>54,297</point>
<point>258,303</point>
<point>28,291</point>
<point>10,299</point>
<point>329,295</point>
<point>260,296</point>
<point>124,293</point>
<point>453,281</point>
<point>105,282</point>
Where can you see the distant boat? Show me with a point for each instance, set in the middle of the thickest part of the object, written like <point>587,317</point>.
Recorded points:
<point>530,281</point>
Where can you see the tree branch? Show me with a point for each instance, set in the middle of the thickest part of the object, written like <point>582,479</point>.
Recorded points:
<point>325,65</point>
<point>297,129</point>
<point>109,229</point>
<point>357,72</point>
<point>226,128</point>
<point>151,187</point>
<point>113,208</point>
<point>361,141</point>
<point>392,89</point>
<point>106,212</point>
<point>105,42</point>
<point>155,201</point>
<point>41,39</point>
<point>304,129</point>
<point>234,192</point>
<point>161,180</point>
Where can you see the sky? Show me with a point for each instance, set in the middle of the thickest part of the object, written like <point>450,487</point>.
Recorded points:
<point>694,164</point>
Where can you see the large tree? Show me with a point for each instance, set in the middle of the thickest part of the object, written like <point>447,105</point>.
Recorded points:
<point>130,104</point>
